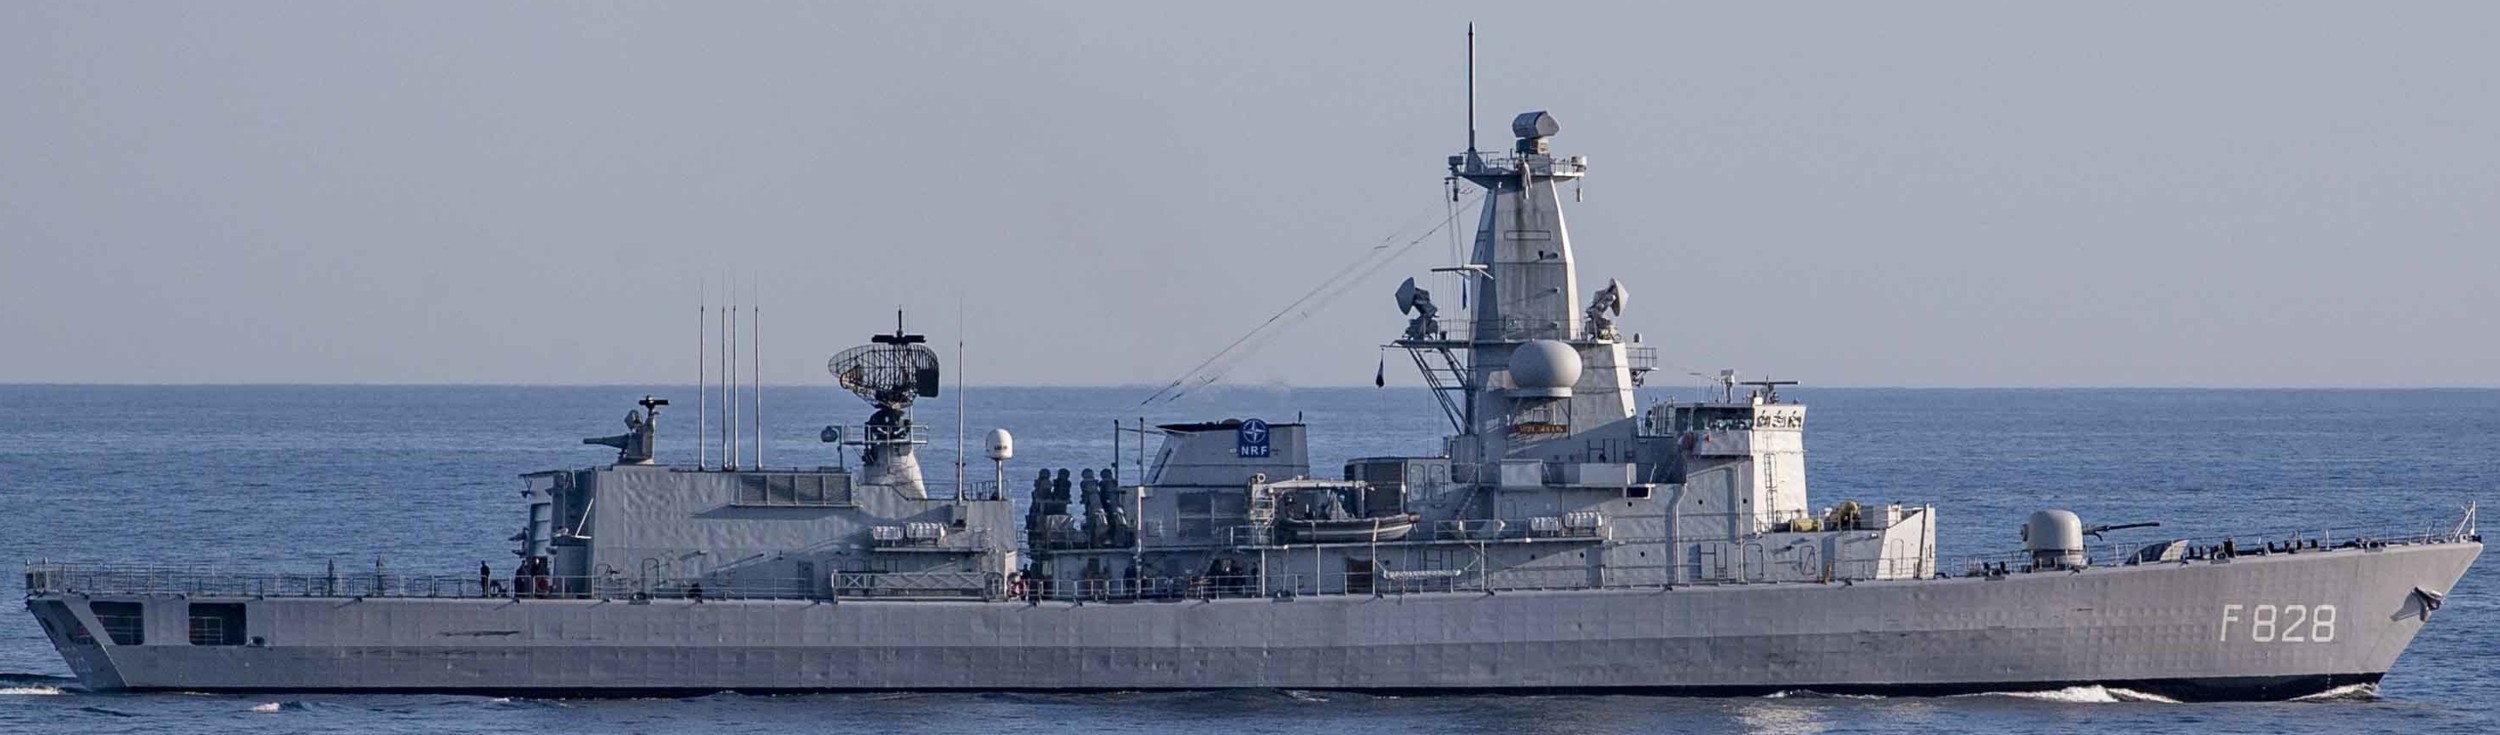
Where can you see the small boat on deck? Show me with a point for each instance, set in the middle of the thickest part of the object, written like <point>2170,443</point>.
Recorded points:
<point>1347,530</point>
<point>1331,512</point>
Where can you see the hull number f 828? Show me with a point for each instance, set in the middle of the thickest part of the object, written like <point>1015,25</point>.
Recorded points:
<point>2279,623</point>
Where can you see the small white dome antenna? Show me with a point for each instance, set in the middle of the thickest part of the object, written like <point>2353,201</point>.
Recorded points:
<point>1002,447</point>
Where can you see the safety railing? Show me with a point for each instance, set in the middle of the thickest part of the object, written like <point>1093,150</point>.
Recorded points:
<point>1641,359</point>
<point>1499,162</point>
<point>1277,584</point>
<point>1563,526</point>
<point>58,577</point>
<point>2223,547</point>
<point>71,578</point>
<point>44,577</point>
<point>973,489</point>
<point>962,585</point>
<point>858,435</point>
<point>1458,329</point>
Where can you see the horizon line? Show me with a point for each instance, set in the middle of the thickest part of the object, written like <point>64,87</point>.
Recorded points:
<point>1249,386</point>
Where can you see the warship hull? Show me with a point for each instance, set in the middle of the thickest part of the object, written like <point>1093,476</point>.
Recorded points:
<point>2276,626</point>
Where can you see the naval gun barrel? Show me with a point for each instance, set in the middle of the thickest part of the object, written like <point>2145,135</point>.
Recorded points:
<point>2096,531</point>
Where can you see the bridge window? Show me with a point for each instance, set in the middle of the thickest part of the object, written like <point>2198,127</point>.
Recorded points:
<point>216,624</point>
<point>125,623</point>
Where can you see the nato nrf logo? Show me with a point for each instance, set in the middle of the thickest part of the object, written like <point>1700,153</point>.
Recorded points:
<point>1253,439</point>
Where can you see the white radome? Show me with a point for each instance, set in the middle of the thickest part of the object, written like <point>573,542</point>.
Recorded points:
<point>1544,368</point>
<point>1002,445</point>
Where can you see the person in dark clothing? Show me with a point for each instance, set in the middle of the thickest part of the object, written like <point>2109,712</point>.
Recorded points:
<point>485,580</point>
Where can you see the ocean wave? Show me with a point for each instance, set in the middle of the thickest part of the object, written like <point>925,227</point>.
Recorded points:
<point>106,711</point>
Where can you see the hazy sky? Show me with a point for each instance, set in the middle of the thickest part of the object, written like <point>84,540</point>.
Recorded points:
<point>1984,194</point>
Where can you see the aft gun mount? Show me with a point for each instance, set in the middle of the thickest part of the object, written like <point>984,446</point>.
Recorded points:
<point>641,437</point>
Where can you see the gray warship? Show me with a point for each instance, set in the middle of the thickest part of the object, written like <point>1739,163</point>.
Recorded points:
<point>1562,538</point>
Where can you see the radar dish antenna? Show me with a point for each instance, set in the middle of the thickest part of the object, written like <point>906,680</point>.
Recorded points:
<point>891,370</point>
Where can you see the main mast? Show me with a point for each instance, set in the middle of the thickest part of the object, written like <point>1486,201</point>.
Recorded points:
<point>1528,366</point>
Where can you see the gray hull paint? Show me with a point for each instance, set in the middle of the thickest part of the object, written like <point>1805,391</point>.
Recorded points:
<point>2159,627</point>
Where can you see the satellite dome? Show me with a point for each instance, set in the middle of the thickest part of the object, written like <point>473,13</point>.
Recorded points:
<point>1002,445</point>
<point>1544,368</point>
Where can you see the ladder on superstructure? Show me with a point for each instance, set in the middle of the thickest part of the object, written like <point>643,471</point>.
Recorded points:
<point>1262,514</point>
<point>1446,374</point>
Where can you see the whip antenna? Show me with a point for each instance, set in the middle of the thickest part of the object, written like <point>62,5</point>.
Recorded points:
<point>737,439</point>
<point>959,401</point>
<point>1471,93</point>
<point>755,353</point>
<point>726,461</point>
<point>702,397</point>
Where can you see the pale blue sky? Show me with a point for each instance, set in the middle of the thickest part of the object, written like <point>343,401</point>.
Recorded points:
<point>1982,194</point>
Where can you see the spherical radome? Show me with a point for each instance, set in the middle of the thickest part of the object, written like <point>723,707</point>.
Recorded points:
<point>1002,445</point>
<point>1544,367</point>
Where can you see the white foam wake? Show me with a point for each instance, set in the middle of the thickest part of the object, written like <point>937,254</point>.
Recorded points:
<point>1811,694</point>
<point>2091,694</point>
<point>2130,695</point>
<point>30,691</point>
<point>2348,691</point>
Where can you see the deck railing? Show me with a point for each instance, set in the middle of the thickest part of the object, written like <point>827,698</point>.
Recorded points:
<point>44,577</point>
<point>2121,553</point>
<point>58,577</point>
<point>1382,582</point>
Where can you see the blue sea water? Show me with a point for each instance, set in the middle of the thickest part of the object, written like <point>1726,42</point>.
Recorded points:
<point>425,478</point>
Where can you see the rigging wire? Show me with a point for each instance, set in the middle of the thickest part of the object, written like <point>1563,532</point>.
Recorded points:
<point>1372,260</point>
